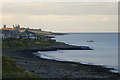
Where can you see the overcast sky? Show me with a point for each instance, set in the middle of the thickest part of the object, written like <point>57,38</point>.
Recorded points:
<point>63,17</point>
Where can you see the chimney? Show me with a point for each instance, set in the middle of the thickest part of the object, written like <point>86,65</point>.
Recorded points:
<point>4,26</point>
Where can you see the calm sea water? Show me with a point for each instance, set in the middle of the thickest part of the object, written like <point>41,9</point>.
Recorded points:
<point>105,47</point>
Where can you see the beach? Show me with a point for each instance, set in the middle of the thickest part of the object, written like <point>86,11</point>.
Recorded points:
<point>45,68</point>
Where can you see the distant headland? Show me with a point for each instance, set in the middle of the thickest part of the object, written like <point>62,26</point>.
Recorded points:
<point>16,31</point>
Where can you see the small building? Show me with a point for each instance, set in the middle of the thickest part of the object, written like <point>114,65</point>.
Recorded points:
<point>28,35</point>
<point>8,32</point>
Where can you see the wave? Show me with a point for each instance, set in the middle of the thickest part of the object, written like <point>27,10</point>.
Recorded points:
<point>42,55</point>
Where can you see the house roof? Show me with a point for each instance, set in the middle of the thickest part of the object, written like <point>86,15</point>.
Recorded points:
<point>27,32</point>
<point>7,28</point>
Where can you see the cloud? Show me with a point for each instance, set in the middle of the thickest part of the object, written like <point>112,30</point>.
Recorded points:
<point>60,8</point>
<point>62,17</point>
<point>65,23</point>
<point>60,1</point>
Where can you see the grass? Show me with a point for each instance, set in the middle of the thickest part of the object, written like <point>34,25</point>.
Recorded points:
<point>10,70</point>
<point>26,43</point>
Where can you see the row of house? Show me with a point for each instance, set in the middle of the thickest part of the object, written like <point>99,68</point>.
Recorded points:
<point>15,32</point>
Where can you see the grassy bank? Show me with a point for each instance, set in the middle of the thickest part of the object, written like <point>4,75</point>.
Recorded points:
<point>40,45</point>
<point>10,70</point>
<point>26,43</point>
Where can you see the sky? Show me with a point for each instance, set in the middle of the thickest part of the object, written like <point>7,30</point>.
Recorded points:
<point>62,16</point>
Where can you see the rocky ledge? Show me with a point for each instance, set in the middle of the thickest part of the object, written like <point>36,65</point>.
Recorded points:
<point>58,46</point>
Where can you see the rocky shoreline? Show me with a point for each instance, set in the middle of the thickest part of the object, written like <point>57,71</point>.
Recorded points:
<point>45,68</point>
<point>57,46</point>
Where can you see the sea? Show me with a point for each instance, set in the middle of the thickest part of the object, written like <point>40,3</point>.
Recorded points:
<point>104,53</point>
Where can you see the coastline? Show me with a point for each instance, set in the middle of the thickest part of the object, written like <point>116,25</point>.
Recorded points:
<point>113,69</point>
<point>58,69</point>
